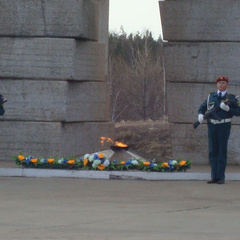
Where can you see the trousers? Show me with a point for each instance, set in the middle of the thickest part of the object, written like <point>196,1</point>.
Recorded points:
<point>218,135</point>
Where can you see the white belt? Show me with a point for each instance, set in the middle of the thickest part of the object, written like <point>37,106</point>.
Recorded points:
<point>219,122</point>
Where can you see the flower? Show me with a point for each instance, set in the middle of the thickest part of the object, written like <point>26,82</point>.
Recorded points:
<point>71,162</point>
<point>128,163</point>
<point>106,163</point>
<point>165,165</point>
<point>174,162</point>
<point>182,163</point>
<point>91,158</point>
<point>21,157</point>
<point>28,160</point>
<point>96,163</point>
<point>101,155</point>
<point>101,167</point>
<point>50,160</point>
<point>101,162</point>
<point>34,160</point>
<point>152,165</point>
<point>61,161</point>
<point>85,162</point>
<point>134,162</point>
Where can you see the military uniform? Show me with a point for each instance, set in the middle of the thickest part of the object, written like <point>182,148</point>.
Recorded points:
<point>2,111</point>
<point>219,132</point>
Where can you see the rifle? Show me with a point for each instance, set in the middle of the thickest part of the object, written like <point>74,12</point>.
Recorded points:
<point>213,112</point>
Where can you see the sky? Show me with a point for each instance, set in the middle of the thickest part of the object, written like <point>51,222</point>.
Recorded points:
<point>135,16</point>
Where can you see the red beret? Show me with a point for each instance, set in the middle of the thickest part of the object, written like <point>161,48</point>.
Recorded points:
<point>222,78</point>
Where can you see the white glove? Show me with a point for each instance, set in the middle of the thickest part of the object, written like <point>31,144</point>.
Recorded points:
<point>224,107</point>
<point>200,118</point>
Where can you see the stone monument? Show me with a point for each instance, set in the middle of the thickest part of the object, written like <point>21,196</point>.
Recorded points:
<point>202,42</point>
<point>53,56</point>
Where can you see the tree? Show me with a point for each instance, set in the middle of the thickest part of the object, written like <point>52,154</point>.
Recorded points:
<point>136,76</point>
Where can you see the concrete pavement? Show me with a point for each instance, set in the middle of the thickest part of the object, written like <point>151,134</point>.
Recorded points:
<point>70,208</point>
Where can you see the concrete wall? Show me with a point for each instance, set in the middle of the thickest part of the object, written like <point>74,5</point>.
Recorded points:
<point>52,71</point>
<point>202,43</point>
<point>50,18</point>
<point>52,58</point>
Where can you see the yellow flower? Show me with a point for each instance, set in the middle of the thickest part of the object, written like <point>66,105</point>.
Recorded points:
<point>21,157</point>
<point>85,162</point>
<point>101,155</point>
<point>50,160</point>
<point>182,163</point>
<point>123,163</point>
<point>71,162</point>
<point>146,163</point>
<point>101,167</point>
<point>165,165</point>
<point>34,160</point>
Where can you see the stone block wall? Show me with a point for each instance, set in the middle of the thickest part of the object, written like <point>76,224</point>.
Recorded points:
<point>52,72</point>
<point>201,44</point>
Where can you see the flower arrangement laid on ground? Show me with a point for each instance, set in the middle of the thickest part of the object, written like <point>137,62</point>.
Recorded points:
<point>99,161</point>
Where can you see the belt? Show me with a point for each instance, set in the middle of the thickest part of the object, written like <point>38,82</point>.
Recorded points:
<point>219,122</point>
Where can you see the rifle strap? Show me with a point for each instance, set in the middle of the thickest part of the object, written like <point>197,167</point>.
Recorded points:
<point>227,97</point>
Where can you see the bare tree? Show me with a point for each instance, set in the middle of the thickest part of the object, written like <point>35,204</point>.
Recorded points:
<point>146,86</point>
<point>118,71</point>
<point>136,77</point>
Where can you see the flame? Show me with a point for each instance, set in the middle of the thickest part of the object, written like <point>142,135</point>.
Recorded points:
<point>103,139</point>
<point>109,140</point>
<point>119,144</point>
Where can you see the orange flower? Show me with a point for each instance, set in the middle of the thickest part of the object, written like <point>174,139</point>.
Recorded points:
<point>71,162</point>
<point>50,160</point>
<point>165,165</point>
<point>182,163</point>
<point>146,163</point>
<point>101,167</point>
<point>34,160</point>
<point>21,157</point>
<point>123,163</point>
<point>101,155</point>
<point>85,162</point>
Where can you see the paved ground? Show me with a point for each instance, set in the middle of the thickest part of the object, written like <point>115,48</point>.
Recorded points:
<point>68,208</point>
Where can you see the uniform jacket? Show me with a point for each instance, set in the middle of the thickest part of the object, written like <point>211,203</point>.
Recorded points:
<point>214,101</point>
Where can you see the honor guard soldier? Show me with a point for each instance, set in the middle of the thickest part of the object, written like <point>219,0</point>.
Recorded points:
<point>219,130</point>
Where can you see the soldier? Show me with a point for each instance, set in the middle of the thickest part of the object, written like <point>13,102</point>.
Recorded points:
<point>2,111</point>
<point>219,131</point>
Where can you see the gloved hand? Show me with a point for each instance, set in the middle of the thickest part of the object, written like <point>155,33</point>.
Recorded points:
<point>224,107</point>
<point>200,118</point>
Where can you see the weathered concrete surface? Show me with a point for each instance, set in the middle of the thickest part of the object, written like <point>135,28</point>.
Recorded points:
<point>103,27</point>
<point>49,18</point>
<point>40,100</point>
<point>52,58</point>
<point>202,44</point>
<point>200,20</point>
<point>190,143</point>
<point>184,100</point>
<point>98,209</point>
<point>201,61</point>
<point>53,138</point>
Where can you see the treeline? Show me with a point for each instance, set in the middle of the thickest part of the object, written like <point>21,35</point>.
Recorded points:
<point>135,73</point>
